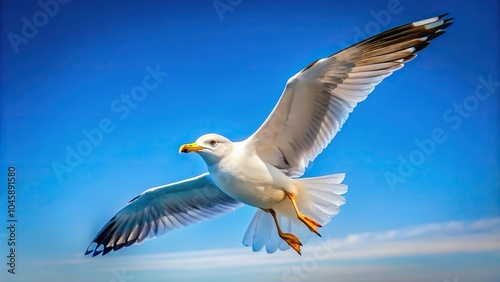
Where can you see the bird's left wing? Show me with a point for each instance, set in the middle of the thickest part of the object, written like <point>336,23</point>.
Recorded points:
<point>317,101</point>
<point>161,209</point>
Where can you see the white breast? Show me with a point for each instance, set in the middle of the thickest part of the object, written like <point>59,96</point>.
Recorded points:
<point>246,178</point>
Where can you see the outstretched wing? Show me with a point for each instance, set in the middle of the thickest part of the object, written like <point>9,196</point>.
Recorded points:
<point>161,209</point>
<point>317,101</point>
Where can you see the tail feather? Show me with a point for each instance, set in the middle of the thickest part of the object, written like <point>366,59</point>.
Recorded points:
<point>259,231</point>
<point>262,232</point>
<point>275,242</point>
<point>317,197</point>
<point>320,197</point>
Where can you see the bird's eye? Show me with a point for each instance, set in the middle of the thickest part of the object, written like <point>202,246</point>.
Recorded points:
<point>213,142</point>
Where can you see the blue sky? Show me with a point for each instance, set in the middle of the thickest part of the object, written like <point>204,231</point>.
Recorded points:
<point>412,214</point>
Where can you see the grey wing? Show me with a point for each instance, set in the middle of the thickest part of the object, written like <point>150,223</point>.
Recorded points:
<point>161,209</point>
<point>317,101</point>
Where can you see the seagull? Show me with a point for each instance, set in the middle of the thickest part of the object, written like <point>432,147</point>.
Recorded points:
<point>264,170</point>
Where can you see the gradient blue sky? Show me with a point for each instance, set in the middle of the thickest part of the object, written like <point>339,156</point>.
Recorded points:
<point>226,70</point>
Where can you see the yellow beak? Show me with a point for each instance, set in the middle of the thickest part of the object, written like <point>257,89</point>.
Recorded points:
<point>188,148</point>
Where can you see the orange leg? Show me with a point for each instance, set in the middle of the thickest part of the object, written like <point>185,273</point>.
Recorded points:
<point>289,238</point>
<point>309,222</point>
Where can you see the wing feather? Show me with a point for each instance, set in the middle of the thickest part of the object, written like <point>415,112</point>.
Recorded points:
<point>318,100</point>
<point>161,209</point>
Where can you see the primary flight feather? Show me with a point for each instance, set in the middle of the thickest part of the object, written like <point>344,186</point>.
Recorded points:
<point>263,171</point>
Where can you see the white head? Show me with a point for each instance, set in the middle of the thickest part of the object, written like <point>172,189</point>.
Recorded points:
<point>211,147</point>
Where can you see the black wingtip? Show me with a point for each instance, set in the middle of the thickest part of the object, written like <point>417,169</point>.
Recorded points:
<point>95,248</point>
<point>91,248</point>
<point>421,46</point>
<point>435,35</point>
<point>96,253</point>
<point>445,25</point>
<point>443,15</point>
<point>107,250</point>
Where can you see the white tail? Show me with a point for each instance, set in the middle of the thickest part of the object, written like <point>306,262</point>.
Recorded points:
<point>318,198</point>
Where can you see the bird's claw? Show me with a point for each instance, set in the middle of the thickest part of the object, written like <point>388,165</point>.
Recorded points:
<point>311,224</point>
<point>293,241</point>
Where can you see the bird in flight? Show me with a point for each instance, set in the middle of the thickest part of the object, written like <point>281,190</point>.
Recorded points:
<point>264,170</point>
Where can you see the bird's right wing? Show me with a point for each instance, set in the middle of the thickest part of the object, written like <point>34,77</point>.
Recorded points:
<point>161,209</point>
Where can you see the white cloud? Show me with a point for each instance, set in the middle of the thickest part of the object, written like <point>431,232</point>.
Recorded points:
<point>429,239</point>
